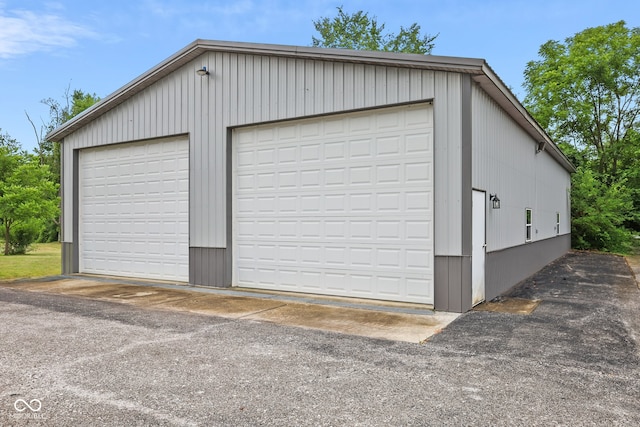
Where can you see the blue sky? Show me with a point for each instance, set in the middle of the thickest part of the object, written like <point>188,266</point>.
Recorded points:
<point>46,46</point>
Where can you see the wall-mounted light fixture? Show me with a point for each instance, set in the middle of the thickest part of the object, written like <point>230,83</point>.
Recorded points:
<point>541,146</point>
<point>202,71</point>
<point>495,202</point>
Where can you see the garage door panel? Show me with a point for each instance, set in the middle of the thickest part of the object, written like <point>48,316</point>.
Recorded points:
<point>134,210</point>
<point>365,231</point>
<point>385,174</point>
<point>338,207</point>
<point>337,203</point>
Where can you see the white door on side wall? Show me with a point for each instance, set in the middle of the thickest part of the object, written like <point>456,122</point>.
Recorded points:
<point>479,246</point>
<point>134,209</point>
<point>340,205</point>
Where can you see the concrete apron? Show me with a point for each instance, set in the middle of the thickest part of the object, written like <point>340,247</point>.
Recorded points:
<point>397,322</point>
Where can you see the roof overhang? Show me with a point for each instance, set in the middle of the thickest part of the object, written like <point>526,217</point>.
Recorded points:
<point>478,68</point>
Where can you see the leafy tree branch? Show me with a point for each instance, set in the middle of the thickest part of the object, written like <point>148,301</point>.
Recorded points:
<point>359,31</point>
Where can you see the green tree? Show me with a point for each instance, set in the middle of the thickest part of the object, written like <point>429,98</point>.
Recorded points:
<point>47,151</point>
<point>360,32</point>
<point>8,142</point>
<point>28,199</point>
<point>73,104</point>
<point>9,155</point>
<point>585,92</point>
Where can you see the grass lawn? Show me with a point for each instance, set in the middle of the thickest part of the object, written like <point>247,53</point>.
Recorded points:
<point>42,260</point>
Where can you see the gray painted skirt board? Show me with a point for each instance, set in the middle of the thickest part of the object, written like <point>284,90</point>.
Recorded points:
<point>506,268</point>
<point>503,270</point>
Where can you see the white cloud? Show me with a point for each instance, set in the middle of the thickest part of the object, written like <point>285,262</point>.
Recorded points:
<point>23,32</point>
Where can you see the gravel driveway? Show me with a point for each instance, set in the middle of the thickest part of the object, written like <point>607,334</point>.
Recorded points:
<point>573,361</point>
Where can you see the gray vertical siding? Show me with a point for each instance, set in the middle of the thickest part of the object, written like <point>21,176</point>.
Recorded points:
<point>466,156</point>
<point>248,89</point>
<point>448,164</point>
<point>452,290</point>
<point>505,162</point>
<point>66,193</point>
<point>75,198</point>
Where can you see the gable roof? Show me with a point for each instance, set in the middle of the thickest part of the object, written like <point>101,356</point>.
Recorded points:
<point>477,68</point>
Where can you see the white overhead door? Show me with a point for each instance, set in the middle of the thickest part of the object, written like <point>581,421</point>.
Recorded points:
<point>134,209</point>
<point>341,205</point>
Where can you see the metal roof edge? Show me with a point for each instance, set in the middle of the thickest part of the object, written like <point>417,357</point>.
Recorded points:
<point>333,54</point>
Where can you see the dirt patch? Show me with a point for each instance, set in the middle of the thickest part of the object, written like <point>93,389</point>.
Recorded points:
<point>633,261</point>
<point>509,305</point>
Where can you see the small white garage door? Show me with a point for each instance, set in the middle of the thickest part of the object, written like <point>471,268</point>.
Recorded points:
<point>341,205</point>
<point>134,210</point>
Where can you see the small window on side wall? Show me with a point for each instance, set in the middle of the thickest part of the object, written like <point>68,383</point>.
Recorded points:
<point>529,223</point>
<point>557,223</point>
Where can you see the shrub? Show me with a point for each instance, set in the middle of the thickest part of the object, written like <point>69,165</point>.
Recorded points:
<point>22,236</point>
<point>598,213</point>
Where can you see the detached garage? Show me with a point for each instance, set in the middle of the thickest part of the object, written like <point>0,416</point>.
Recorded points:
<point>387,176</point>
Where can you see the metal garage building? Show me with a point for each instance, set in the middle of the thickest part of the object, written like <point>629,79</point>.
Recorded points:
<point>376,175</point>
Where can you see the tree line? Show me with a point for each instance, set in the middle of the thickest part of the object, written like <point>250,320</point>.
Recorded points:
<point>584,91</point>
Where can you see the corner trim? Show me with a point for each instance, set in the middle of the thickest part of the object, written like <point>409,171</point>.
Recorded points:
<point>466,163</point>
<point>75,249</point>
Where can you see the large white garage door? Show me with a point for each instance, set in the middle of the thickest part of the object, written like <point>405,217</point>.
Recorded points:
<point>134,210</point>
<point>341,205</point>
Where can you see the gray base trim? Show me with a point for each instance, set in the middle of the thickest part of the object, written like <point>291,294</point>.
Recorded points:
<point>505,268</point>
<point>210,267</point>
<point>68,258</point>
<point>452,285</point>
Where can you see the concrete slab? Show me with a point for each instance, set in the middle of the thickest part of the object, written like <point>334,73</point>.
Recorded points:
<point>374,324</point>
<point>396,322</point>
<point>221,305</point>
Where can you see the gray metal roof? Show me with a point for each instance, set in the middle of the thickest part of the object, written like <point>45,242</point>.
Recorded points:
<point>478,68</point>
